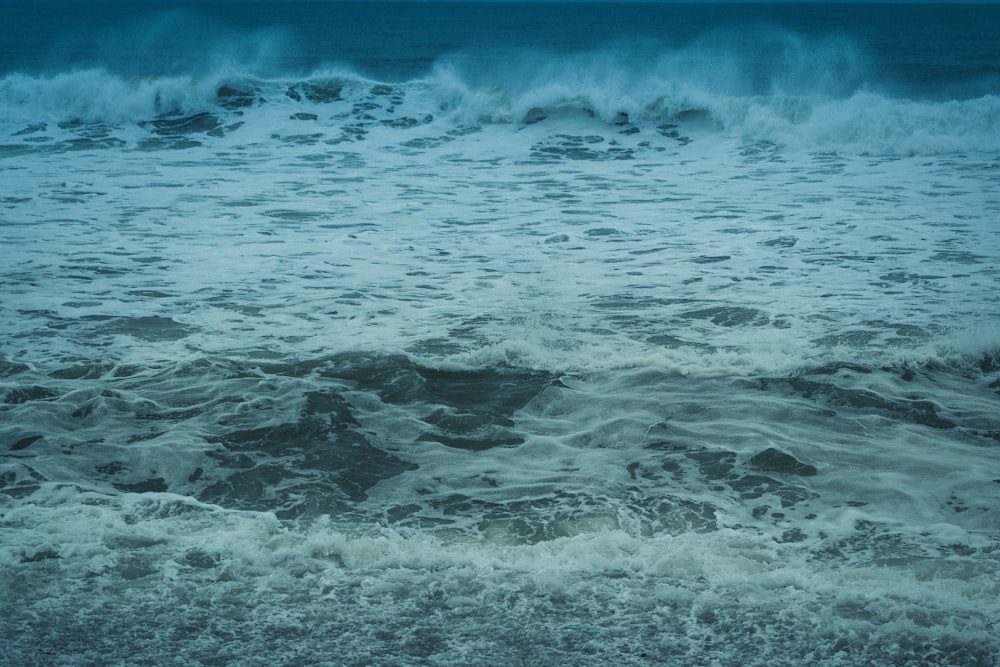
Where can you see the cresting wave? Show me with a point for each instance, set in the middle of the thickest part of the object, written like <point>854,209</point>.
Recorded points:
<point>40,111</point>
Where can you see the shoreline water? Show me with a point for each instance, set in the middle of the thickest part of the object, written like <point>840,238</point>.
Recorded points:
<point>653,350</point>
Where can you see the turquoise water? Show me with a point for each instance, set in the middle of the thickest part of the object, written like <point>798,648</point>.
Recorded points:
<point>480,334</point>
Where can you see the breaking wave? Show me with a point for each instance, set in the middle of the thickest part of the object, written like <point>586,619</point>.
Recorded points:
<point>817,96</point>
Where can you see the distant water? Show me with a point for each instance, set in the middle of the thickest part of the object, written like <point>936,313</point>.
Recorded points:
<point>472,334</point>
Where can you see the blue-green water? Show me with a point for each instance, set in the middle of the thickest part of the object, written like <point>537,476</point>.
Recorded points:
<point>471,334</point>
<point>924,47</point>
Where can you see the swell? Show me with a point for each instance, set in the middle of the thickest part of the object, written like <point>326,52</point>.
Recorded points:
<point>803,108</point>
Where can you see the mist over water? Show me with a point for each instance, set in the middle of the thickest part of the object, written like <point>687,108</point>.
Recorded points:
<point>468,334</point>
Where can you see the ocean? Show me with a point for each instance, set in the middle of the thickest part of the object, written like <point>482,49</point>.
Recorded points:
<point>499,334</point>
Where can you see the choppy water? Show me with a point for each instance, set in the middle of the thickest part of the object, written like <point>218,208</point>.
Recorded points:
<point>499,334</point>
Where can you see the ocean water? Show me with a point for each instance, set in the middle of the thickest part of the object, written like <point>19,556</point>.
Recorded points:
<point>499,334</point>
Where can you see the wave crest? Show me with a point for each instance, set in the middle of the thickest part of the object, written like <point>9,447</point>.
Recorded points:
<point>96,95</point>
<point>614,87</point>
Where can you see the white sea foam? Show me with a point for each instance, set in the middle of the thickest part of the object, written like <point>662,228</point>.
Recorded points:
<point>98,96</point>
<point>622,580</point>
<point>594,350</point>
<point>657,89</point>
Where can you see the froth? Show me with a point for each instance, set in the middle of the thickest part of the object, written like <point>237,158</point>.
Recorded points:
<point>661,597</point>
<point>98,96</point>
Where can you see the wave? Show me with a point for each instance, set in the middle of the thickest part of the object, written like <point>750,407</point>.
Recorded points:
<point>799,109</point>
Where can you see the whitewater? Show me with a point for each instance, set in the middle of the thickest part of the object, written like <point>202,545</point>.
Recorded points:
<point>473,333</point>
